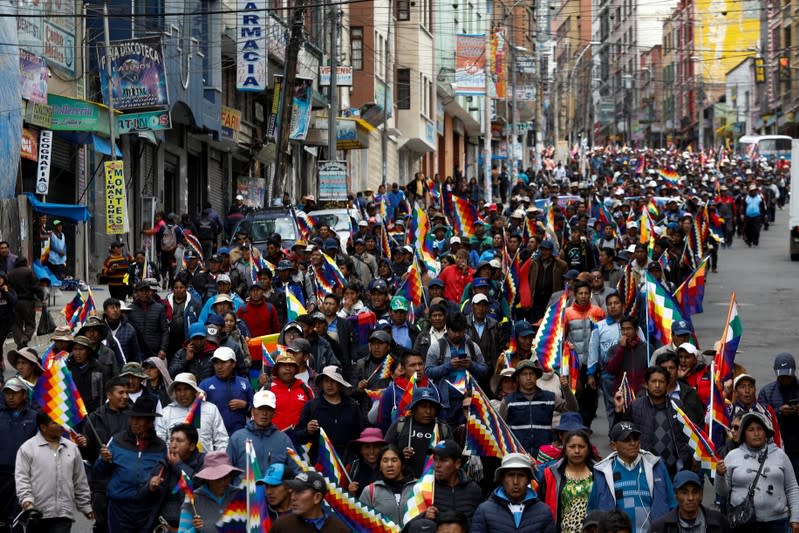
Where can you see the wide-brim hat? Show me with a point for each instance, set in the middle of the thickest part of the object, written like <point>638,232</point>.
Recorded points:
<point>533,364</point>
<point>62,333</point>
<point>371,436</point>
<point>496,379</point>
<point>514,461</point>
<point>332,372</point>
<point>93,322</point>
<point>184,378</point>
<point>216,465</point>
<point>28,354</point>
<point>570,421</point>
<point>144,406</point>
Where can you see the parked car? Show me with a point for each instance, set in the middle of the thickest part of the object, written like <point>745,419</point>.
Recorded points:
<point>343,221</point>
<point>261,224</point>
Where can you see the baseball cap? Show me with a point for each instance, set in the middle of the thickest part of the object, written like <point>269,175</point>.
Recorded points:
<point>308,480</point>
<point>680,327</point>
<point>571,275</point>
<point>523,328</point>
<point>224,353</point>
<point>622,430</point>
<point>380,336</point>
<point>264,398</point>
<point>15,384</point>
<point>399,303</point>
<point>784,364</point>
<point>742,377</point>
<point>477,298</point>
<point>546,245</point>
<point>223,278</point>
<point>331,244</point>
<point>532,364</point>
<point>684,477</point>
<point>479,283</point>
<point>379,286</point>
<point>448,449</point>
<point>274,475</point>
<point>455,240</point>
<point>196,330</point>
<point>690,348</point>
<point>436,283</point>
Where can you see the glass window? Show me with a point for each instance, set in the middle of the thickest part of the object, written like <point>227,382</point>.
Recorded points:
<point>403,10</point>
<point>404,88</point>
<point>356,48</point>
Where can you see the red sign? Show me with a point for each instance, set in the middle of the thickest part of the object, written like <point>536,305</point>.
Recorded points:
<point>29,149</point>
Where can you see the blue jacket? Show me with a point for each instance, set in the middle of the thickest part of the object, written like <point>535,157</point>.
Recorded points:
<point>530,419</point>
<point>129,468</point>
<point>17,428</point>
<point>495,516</point>
<point>220,392</point>
<point>270,447</point>
<point>603,496</point>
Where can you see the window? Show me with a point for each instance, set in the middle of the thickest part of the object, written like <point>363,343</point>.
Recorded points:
<point>403,10</point>
<point>356,48</point>
<point>423,92</point>
<point>403,88</point>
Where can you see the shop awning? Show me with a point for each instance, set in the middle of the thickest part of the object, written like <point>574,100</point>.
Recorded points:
<point>74,213</point>
<point>100,144</point>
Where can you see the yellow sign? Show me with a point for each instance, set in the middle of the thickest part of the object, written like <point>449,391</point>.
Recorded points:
<point>727,31</point>
<point>116,202</point>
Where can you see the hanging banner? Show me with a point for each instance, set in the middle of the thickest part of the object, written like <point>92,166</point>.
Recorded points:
<point>301,109</point>
<point>34,75</point>
<point>138,74</point>
<point>333,180</point>
<point>45,156</point>
<point>116,203</point>
<point>343,76</point>
<point>498,54</point>
<point>470,65</point>
<point>251,49</point>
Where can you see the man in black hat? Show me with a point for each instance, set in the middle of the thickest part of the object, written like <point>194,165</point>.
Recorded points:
<point>456,491</point>
<point>308,489</point>
<point>379,299</point>
<point>127,459</point>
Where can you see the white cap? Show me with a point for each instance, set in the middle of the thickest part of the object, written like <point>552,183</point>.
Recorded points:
<point>495,263</point>
<point>223,353</point>
<point>517,214</point>
<point>264,398</point>
<point>652,184</point>
<point>688,347</point>
<point>477,298</point>
<point>223,278</point>
<point>455,240</point>
<point>239,197</point>
<point>632,224</point>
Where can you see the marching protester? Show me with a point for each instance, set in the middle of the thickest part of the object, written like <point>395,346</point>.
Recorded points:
<point>435,365</point>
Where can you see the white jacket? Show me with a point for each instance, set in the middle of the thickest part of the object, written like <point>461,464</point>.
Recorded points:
<point>213,435</point>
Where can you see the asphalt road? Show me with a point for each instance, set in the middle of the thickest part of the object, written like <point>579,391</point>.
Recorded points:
<point>766,284</point>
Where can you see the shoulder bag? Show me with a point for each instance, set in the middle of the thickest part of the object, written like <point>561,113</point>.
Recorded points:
<point>744,513</point>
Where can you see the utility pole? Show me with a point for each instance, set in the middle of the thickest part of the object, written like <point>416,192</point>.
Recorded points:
<point>514,125</point>
<point>287,98</point>
<point>487,109</point>
<point>332,114</point>
<point>389,68</point>
<point>700,105</point>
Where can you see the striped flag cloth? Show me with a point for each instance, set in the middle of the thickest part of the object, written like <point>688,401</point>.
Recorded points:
<point>234,517</point>
<point>487,434</point>
<point>730,339</point>
<point>690,294</point>
<point>628,394</point>
<point>355,515</point>
<point>328,462</point>
<point>703,449</point>
<point>465,217</point>
<point>294,308</point>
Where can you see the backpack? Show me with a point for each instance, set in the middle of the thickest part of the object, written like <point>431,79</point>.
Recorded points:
<point>205,228</point>
<point>169,240</point>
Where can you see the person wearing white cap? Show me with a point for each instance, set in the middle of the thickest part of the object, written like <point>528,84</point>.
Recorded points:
<point>231,394</point>
<point>483,329</point>
<point>18,421</point>
<point>185,391</point>
<point>513,505</point>
<point>269,443</point>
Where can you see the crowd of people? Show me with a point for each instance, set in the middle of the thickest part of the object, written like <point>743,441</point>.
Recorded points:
<point>142,360</point>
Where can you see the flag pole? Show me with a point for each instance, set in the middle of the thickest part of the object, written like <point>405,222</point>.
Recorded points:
<point>712,394</point>
<point>646,311</point>
<point>94,430</point>
<point>247,445</point>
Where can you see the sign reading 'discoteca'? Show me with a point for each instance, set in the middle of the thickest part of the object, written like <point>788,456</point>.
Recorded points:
<point>138,75</point>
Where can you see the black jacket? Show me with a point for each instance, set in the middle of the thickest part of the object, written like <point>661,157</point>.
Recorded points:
<point>25,283</point>
<point>90,379</point>
<point>150,321</point>
<point>464,497</point>
<point>715,522</point>
<point>125,341</point>
<point>340,421</point>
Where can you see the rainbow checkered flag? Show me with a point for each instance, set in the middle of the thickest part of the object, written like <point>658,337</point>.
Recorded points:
<point>234,517</point>
<point>692,291</point>
<point>628,394</point>
<point>357,516</point>
<point>704,451</point>
<point>487,434</point>
<point>184,486</point>
<point>328,463</point>
<point>548,342</point>
<point>255,507</point>
<point>56,393</point>
<point>421,496</point>
<point>662,310</point>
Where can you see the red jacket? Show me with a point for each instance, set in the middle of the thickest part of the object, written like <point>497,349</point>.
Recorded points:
<point>290,399</point>
<point>261,318</point>
<point>699,379</point>
<point>455,282</point>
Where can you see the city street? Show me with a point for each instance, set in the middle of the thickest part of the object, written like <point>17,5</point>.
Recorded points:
<point>766,283</point>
